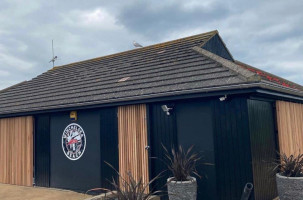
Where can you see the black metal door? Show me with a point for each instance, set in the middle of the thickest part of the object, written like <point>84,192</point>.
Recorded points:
<point>78,174</point>
<point>263,148</point>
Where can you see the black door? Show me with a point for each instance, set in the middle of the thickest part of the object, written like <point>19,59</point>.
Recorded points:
<point>263,148</point>
<point>189,123</point>
<point>42,150</point>
<point>195,127</point>
<point>75,161</point>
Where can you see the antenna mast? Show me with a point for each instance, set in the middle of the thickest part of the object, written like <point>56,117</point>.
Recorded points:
<point>54,57</point>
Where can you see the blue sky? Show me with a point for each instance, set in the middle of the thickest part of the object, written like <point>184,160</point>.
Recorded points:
<point>266,34</point>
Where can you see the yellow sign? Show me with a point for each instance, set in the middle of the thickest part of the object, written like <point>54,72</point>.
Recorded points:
<point>73,115</point>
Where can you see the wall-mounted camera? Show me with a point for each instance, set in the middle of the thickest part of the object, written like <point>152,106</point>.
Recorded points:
<point>166,109</point>
<point>223,98</point>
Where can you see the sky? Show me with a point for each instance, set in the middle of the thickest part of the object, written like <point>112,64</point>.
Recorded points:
<point>264,33</point>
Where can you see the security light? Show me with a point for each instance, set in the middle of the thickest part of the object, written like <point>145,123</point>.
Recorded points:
<point>166,109</point>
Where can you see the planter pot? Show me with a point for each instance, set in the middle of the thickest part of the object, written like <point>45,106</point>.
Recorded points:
<point>182,190</point>
<point>289,187</point>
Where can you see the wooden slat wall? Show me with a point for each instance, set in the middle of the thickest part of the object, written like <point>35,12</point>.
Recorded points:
<point>16,151</point>
<point>132,127</point>
<point>290,127</point>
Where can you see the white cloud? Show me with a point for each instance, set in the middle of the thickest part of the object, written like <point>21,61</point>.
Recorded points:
<point>98,18</point>
<point>193,4</point>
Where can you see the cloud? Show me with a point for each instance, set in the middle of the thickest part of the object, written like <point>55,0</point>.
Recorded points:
<point>265,34</point>
<point>98,18</point>
<point>157,22</point>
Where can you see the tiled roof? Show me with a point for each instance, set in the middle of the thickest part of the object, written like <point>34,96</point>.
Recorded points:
<point>166,69</point>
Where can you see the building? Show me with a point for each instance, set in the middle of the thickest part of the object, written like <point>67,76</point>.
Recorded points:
<point>57,129</point>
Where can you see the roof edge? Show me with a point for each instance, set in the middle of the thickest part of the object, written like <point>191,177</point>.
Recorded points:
<point>300,87</point>
<point>280,88</point>
<point>196,93</point>
<point>121,101</point>
<point>10,87</point>
<point>246,74</point>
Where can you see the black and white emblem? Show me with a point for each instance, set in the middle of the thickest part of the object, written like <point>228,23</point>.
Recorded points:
<point>73,141</point>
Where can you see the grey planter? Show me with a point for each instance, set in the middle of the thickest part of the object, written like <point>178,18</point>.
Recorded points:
<point>185,190</point>
<point>289,188</point>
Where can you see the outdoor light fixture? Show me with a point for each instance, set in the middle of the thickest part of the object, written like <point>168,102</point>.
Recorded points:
<point>166,109</point>
<point>223,98</point>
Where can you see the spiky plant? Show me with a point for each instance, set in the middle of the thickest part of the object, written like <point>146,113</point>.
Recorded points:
<point>289,166</point>
<point>128,188</point>
<point>132,189</point>
<point>181,163</point>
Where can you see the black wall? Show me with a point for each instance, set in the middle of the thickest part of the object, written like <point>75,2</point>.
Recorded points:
<point>42,150</point>
<point>232,147</point>
<point>216,46</point>
<point>232,135</point>
<point>162,132</point>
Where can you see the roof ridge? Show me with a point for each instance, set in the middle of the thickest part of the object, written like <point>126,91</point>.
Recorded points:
<point>214,32</point>
<point>244,73</point>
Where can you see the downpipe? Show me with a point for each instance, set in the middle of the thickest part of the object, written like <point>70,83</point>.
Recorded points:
<point>246,191</point>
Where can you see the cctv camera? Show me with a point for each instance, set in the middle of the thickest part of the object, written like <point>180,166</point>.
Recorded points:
<point>166,109</point>
<point>223,98</point>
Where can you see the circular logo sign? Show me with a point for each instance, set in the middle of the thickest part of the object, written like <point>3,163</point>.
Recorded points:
<point>73,141</point>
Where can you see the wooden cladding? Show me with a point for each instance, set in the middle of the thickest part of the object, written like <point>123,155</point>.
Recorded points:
<point>132,127</point>
<point>290,127</point>
<point>16,151</point>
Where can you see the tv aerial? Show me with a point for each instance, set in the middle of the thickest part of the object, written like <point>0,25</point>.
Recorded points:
<point>54,57</point>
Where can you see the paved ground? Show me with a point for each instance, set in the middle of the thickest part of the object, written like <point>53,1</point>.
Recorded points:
<point>12,192</point>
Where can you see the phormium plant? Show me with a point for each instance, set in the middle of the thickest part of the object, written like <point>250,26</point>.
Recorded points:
<point>289,166</point>
<point>182,163</point>
<point>128,188</point>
